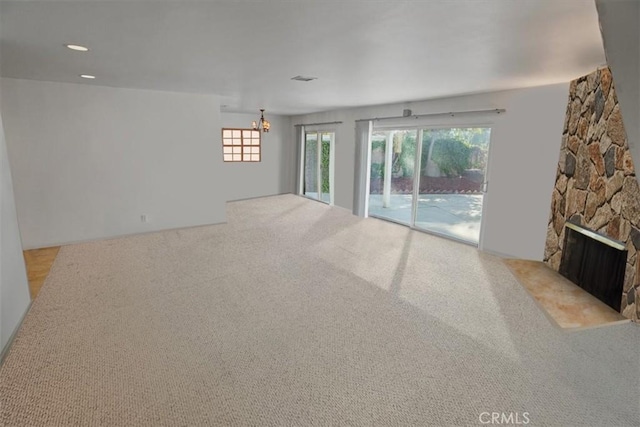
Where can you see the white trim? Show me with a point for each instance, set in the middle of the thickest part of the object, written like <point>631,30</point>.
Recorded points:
<point>300,137</point>
<point>485,190</point>
<point>416,177</point>
<point>332,167</point>
<point>318,162</point>
<point>332,139</point>
<point>388,168</point>
<point>7,346</point>
<point>362,169</point>
<point>367,169</point>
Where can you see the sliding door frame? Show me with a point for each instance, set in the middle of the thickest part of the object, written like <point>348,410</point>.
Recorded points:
<point>416,174</point>
<point>302,160</point>
<point>416,179</point>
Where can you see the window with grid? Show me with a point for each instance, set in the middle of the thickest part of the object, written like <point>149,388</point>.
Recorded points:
<point>240,145</point>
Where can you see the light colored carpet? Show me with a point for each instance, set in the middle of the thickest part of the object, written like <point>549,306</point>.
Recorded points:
<point>295,313</point>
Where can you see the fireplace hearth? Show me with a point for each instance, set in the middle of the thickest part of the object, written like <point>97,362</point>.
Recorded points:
<point>594,262</point>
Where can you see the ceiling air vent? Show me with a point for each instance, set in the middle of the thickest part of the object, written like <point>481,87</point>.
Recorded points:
<point>303,78</point>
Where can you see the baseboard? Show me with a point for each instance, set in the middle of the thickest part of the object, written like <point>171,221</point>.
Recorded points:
<point>497,253</point>
<point>7,346</point>
<point>118,236</point>
<point>257,197</point>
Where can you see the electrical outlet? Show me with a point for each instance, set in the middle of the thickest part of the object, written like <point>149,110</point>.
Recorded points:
<point>143,218</point>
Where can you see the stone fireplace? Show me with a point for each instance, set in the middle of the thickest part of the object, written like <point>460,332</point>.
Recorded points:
<point>596,185</point>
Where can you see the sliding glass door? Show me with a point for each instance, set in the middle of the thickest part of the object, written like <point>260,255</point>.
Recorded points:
<point>437,185</point>
<point>318,166</point>
<point>393,160</point>
<point>452,181</point>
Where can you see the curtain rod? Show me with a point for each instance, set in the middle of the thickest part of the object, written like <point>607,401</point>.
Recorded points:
<point>318,124</point>
<point>451,113</point>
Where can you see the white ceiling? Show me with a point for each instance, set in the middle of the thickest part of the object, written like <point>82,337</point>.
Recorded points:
<point>363,52</point>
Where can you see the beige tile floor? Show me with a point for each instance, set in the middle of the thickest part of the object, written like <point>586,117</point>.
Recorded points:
<point>566,304</point>
<point>38,263</point>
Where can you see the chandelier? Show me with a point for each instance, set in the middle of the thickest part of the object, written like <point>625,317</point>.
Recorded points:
<point>263,124</point>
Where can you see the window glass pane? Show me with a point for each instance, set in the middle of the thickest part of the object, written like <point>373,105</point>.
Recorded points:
<point>325,159</point>
<point>240,145</point>
<point>452,174</point>
<point>392,165</point>
<point>311,165</point>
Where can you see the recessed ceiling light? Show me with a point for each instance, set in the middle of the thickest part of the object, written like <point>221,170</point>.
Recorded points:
<point>87,76</point>
<point>77,47</point>
<point>303,78</point>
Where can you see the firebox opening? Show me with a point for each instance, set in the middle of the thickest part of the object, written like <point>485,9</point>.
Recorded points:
<point>594,262</point>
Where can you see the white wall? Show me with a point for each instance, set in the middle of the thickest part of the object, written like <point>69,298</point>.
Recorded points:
<point>14,291</point>
<point>274,174</point>
<point>88,161</point>
<point>525,147</point>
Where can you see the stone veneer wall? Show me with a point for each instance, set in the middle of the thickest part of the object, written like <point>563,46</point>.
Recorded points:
<point>596,184</point>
